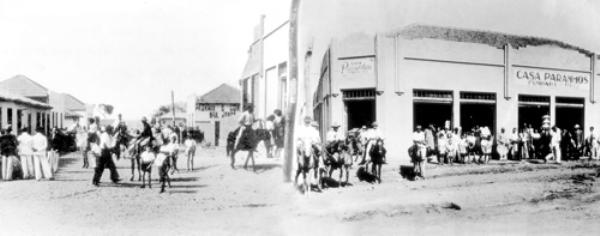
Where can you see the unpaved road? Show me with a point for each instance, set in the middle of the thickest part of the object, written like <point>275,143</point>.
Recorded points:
<point>500,198</point>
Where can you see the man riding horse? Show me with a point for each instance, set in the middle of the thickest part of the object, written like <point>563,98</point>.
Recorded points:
<point>244,139</point>
<point>308,149</point>
<point>338,155</point>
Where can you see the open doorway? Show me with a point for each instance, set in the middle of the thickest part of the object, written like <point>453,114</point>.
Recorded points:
<point>569,112</point>
<point>432,107</point>
<point>532,109</point>
<point>360,113</point>
<point>436,114</point>
<point>360,107</point>
<point>477,115</point>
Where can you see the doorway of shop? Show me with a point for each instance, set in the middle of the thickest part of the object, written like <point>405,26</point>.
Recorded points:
<point>569,112</point>
<point>532,109</point>
<point>425,114</point>
<point>360,113</point>
<point>477,115</point>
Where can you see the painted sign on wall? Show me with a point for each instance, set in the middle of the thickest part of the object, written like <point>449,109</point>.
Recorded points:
<point>552,79</point>
<point>357,66</point>
<point>357,72</point>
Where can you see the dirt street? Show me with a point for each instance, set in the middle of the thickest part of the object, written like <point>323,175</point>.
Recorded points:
<point>499,198</point>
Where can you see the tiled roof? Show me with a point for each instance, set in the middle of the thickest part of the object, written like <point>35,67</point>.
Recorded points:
<point>223,94</point>
<point>72,103</point>
<point>495,39</point>
<point>7,95</point>
<point>24,86</point>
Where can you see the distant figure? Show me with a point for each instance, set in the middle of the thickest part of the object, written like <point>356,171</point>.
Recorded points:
<point>40,147</point>
<point>190,151</point>
<point>25,150</point>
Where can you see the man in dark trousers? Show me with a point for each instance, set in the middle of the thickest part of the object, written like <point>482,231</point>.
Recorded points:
<point>104,160</point>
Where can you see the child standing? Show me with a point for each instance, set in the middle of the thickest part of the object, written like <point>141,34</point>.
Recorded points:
<point>190,151</point>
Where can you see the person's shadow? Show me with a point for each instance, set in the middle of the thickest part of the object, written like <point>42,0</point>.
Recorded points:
<point>407,172</point>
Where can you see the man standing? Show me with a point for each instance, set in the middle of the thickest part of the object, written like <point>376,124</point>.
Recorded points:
<point>418,152</point>
<point>555,142</point>
<point>41,164</point>
<point>25,148</point>
<point>104,160</point>
<point>578,139</point>
<point>591,144</point>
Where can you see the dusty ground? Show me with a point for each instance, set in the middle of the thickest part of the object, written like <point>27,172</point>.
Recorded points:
<point>500,198</point>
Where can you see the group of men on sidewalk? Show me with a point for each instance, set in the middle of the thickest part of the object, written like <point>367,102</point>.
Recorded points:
<point>27,156</point>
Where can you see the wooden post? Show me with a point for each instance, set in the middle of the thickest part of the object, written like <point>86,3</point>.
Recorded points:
<point>173,106</point>
<point>293,93</point>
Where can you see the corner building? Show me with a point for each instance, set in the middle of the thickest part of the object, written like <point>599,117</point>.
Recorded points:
<point>422,74</point>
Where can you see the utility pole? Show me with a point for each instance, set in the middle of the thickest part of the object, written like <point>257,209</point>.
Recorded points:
<point>173,106</point>
<point>293,94</point>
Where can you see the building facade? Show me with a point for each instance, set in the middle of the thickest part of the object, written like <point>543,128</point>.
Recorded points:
<point>215,113</point>
<point>429,75</point>
<point>264,79</point>
<point>26,87</point>
<point>21,112</point>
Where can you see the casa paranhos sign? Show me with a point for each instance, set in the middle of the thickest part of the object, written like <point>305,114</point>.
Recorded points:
<point>357,72</point>
<point>552,79</point>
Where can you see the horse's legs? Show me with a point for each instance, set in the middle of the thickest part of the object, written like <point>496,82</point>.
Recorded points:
<point>139,167</point>
<point>379,172</point>
<point>251,153</point>
<point>247,159</point>
<point>132,169</point>
<point>144,180</point>
<point>341,174</point>
<point>233,152</point>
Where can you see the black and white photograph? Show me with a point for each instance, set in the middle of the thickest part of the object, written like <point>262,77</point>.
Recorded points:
<point>300,117</point>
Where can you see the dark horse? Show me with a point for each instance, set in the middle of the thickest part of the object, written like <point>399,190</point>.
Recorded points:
<point>248,142</point>
<point>338,156</point>
<point>377,154</point>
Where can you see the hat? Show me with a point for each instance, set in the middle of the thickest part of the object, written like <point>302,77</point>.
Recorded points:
<point>335,125</point>
<point>577,126</point>
<point>418,126</point>
<point>307,119</point>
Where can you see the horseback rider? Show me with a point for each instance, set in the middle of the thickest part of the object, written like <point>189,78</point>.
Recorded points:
<point>245,123</point>
<point>308,138</point>
<point>334,138</point>
<point>372,136</point>
<point>146,137</point>
<point>121,130</point>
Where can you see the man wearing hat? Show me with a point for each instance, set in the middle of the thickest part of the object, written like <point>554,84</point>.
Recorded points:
<point>335,135</point>
<point>308,136</point>
<point>372,135</point>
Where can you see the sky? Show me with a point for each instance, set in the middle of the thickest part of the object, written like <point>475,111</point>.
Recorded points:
<point>132,53</point>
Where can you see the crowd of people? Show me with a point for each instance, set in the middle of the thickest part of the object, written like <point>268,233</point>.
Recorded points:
<point>153,145</point>
<point>479,145</point>
<point>30,154</point>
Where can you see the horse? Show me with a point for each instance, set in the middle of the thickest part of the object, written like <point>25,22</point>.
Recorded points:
<point>338,157</point>
<point>249,140</point>
<point>308,159</point>
<point>355,147</point>
<point>377,154</point>
<point>134,150</point>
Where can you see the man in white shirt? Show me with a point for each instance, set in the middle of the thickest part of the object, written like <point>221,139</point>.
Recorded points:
<point>104,160</point>
<point>308,138</point>
<point>556,137</point>
<point>335,134</point>
<point>40,157</point>
<point>373,135</point>
<point>26,153</point>
<point>418,138</point>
